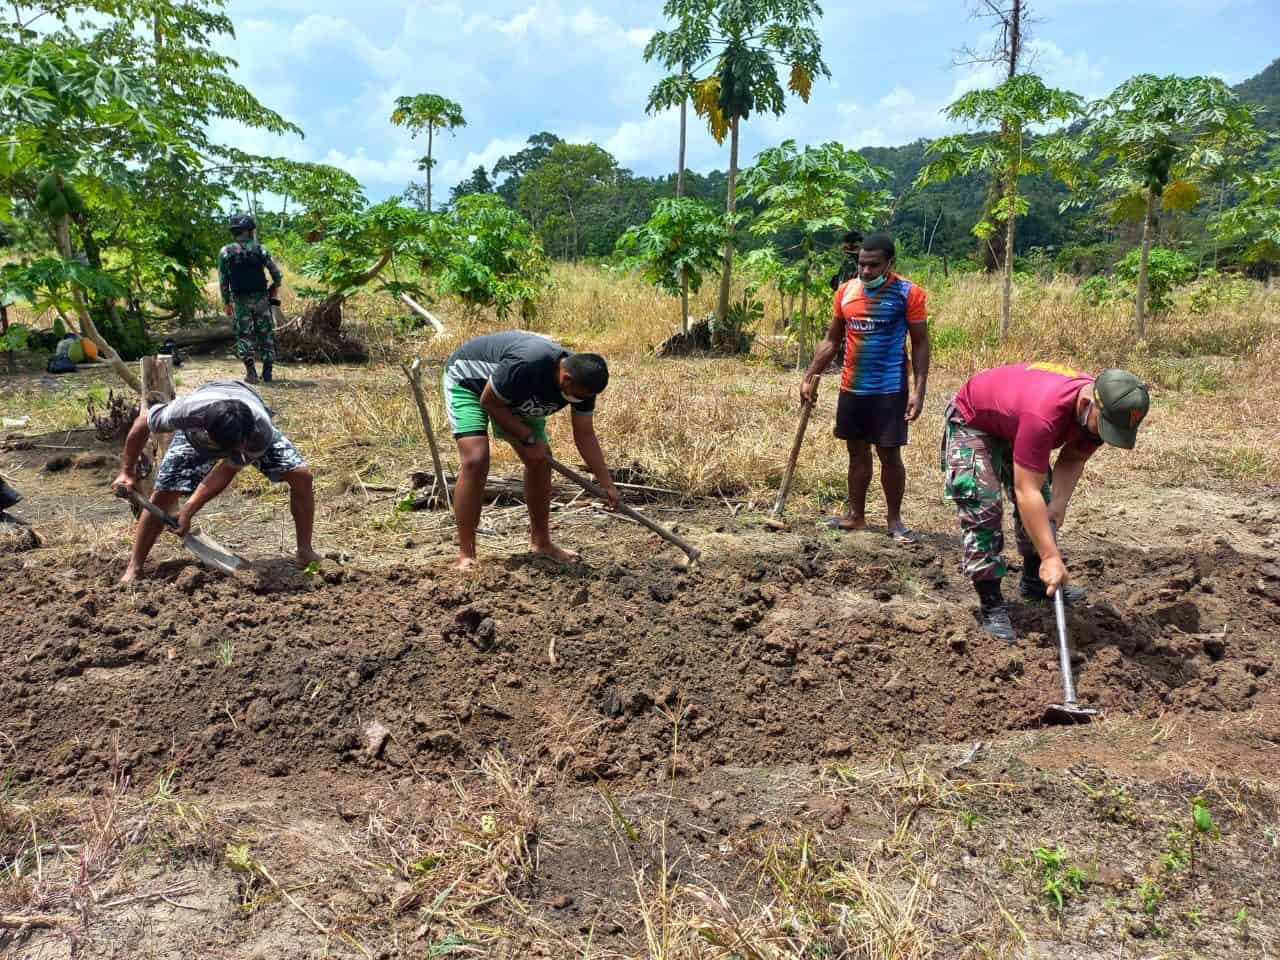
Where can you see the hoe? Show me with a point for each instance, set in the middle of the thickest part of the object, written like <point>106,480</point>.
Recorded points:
<point>1069,711</point>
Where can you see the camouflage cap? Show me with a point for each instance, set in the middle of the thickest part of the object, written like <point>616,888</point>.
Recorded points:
<point>1123,402</point>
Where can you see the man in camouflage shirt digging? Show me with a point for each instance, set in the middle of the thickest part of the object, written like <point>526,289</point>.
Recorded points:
<point>1001,429</point>
<point>247,298</point>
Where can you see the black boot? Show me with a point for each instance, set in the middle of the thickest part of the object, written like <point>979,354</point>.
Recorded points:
<point>993,613</point>
<point>266,371</point>
<point>250,372</point>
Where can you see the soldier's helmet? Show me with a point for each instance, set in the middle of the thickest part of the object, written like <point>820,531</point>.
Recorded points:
<point>242,223</point>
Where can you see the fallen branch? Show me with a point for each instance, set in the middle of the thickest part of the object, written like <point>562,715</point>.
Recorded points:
<point>422,312</point>
<point>44,921</point>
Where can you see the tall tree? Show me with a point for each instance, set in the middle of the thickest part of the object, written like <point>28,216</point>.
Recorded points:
<point>742,43</point>
<point>1008,24</point>
<point>1020,102</point>
<point>513,167</point>
<point>1147,139</point>
<point>813,190</point>
<point>552,195</point>
<point>429,112</point>
<point>478,182</point>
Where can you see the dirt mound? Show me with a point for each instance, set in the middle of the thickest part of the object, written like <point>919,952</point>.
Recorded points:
<point>616,672</point>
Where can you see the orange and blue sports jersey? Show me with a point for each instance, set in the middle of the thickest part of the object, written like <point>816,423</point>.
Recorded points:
<point>875,330</point>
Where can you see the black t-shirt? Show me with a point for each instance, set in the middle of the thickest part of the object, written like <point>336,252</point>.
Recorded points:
<point>522,369</point>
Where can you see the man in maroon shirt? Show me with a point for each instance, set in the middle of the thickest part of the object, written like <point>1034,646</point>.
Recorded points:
<point>1001,430</point>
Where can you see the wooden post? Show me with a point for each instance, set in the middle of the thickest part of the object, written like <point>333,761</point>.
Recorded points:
<point>157,388</point>
<point>414,374</point>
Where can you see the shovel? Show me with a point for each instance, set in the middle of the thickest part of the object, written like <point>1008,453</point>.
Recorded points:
<point>689,549</point>
<point>207,550</point>
<point>1069,711</point>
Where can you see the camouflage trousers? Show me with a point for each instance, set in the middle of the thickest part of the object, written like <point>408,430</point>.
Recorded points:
<point>255,327</point>
<point>979,474</point>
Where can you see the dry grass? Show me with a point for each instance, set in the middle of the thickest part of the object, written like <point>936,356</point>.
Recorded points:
<point>66,864</point>
<point>722,427</point>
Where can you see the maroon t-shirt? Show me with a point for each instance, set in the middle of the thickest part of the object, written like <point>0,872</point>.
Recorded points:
<point>1032,405</point>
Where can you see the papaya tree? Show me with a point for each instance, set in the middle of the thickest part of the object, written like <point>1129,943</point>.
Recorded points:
<point>372,248</point>
<point>1254,222</point>
<point>64,111</point>
<point>1149,143</point>
<point>678,245</point>
<point>814,190</point>
<point>429,112</point>
<point>488,256</point>
<point>1020,103</point>
<point>120,116</point>
<point>735,49</point>
<point>678,50</point>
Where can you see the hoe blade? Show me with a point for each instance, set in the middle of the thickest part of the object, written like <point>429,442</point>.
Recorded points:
<point>212,554</point>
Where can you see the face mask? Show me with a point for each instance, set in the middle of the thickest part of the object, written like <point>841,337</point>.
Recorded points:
<point>1082,418</point>
<point>877,283</point>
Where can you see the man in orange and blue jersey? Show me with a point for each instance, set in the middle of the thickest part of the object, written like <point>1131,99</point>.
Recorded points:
<point>875,314</point>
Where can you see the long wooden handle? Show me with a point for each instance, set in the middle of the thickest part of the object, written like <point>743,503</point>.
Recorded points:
<point>690,550</point>
<point>785,490</point>
<point>142,503</point>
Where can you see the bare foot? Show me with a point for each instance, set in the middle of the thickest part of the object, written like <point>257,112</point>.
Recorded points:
<point>130,575</point>
<point>848,523</point>
<point>551,551</point>
<point>465,563</point>
<point>307,557</point>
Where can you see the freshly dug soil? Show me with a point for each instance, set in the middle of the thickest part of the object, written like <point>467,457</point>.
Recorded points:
<point>613,672</point>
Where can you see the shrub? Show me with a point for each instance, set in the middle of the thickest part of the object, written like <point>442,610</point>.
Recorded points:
<point>1166,269</point>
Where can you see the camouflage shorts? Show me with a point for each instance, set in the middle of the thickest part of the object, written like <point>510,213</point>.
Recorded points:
<point>978,471</point>
<point>184,467</point>
<point>255,327</point>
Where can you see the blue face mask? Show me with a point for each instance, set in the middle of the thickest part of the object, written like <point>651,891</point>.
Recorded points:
<point>877,283</point>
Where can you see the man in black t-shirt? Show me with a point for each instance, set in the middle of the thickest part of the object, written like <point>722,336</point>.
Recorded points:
<point>511,382</point>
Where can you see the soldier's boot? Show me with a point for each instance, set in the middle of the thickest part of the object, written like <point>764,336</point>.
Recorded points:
<point>250,372</point>
<point>266,371</point>
<point>992,612</point>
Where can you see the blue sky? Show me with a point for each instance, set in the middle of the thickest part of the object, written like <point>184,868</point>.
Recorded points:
<point>576,68</point>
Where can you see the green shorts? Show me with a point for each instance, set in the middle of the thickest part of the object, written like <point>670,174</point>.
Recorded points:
<point>468,419</point>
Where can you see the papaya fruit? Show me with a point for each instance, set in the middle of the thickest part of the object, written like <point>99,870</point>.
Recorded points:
<point>89,347</point>
<point>45,189</point>
<point>58,207</point>
<point>76,353</point>
<point>75,203</point>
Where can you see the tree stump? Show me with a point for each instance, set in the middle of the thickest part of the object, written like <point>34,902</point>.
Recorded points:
<point>157,388</point>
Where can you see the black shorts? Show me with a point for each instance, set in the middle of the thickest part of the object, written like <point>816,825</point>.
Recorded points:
<point>879,419</point>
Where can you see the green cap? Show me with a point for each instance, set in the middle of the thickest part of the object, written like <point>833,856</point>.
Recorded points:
<point>1123,402</point>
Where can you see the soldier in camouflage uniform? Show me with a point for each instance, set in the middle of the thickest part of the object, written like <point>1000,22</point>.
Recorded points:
<point>247,298</point>
<point>1000,431</point>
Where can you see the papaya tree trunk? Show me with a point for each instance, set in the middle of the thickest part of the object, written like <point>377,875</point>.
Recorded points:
<point>430,137</point>
<point>684,278</point>
<point>1140,302</point>
<point>1006,296</point>
<point>802,340</point>
<point>62,237</point>
<point>722,305</point>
